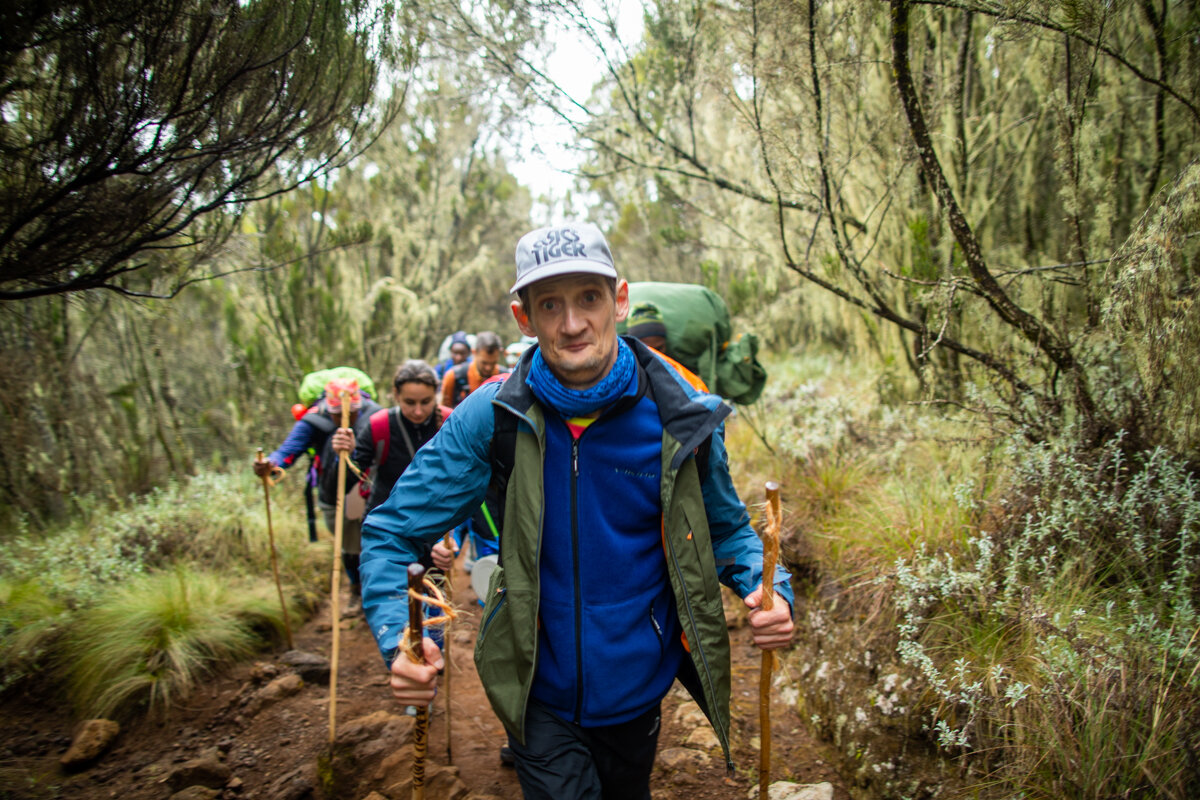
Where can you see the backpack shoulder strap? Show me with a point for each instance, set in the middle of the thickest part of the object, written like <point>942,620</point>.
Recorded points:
<point>702,455</point>
<point>381,433</point>
<point>320,421</point>
<point>502,454</point>
<point>462,382</point>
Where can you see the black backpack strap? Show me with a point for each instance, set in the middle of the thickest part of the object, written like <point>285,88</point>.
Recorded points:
<point>702,455</point>
<point>462,383</point>
<point>408,442</point>
<point>502,454</point>
<point>320,421</point>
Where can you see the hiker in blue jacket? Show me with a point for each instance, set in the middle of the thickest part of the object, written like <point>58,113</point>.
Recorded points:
<point>314,431</point>
<point>620,517</point>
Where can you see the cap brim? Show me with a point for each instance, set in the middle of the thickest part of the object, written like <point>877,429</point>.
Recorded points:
<point>553,270</point>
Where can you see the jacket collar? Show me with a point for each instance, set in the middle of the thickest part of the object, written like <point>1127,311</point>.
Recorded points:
<point>683,416</point>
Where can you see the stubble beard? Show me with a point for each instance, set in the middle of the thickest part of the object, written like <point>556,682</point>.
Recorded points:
<point>589,372</point>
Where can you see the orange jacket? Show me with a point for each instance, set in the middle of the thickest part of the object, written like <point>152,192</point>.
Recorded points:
<point>689,376</point>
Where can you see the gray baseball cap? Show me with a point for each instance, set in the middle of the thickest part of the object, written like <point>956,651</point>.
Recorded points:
<point>562,249</point>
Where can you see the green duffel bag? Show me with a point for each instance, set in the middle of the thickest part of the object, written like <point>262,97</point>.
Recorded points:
<point>313,384</point>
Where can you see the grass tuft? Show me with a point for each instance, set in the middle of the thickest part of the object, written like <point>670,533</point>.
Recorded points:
<point>148,643</point>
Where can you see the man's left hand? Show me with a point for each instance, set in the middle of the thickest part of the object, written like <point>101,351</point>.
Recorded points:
<point>772,629</point>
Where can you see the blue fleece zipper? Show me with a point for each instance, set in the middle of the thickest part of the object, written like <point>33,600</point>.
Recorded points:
<point>578,580</point>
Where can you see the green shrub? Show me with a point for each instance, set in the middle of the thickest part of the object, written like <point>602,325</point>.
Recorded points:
<point>213,519</point>
<point>30,621</point>
<point>51,586</point>
<point>1041,598</point>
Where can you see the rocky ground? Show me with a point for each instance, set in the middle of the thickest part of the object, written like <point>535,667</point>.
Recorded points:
<point>261,730</point>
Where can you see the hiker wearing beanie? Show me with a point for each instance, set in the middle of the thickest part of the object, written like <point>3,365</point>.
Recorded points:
<point>646,324</point>
<point>460,352</point>
<point>620,520</point>
<point>314,431</point>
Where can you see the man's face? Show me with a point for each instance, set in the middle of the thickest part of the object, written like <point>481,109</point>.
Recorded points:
<point>574,318</point>
<point>459,352</point>
<point>486,362</point>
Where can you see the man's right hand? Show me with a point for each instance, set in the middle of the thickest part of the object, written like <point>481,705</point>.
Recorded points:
<point>263,468</point>
<point>416,684</point>
<point>343,440</point>
<point>443,556</point>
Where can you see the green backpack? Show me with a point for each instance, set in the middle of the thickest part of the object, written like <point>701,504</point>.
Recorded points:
<point>700,336</point>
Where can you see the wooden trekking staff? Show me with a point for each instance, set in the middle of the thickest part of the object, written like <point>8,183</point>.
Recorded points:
<point>448,541</point>
<point>770,556</point>
<point>287,623</point>
<point>334,610</point>
<point>416,653</point>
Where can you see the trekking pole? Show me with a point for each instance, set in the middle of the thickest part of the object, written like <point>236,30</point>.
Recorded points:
<point>770,556</point>
<point>448,541</point>
<point>416,654</point>
<point>266,481</point>
<point>334,610</point>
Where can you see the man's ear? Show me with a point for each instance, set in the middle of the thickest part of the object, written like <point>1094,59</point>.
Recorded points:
<point>622,300</point>
<point>522,318</point>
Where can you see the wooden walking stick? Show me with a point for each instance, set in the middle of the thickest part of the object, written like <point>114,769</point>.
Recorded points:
<point>448,541</point>
<point>334,610</point>
<point>416,654</point>
<point>770,556</point>
<point>266,481</point>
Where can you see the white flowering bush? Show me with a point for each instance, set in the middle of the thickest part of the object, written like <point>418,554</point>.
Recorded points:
<point>1068,634</point>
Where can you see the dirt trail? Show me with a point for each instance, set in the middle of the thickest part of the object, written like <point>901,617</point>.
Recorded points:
<point>281,739</point>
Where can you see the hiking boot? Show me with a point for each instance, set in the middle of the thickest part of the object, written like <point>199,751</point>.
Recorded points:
<point>507,759</point>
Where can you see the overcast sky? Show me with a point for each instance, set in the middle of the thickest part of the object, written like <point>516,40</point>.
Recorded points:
<point>576,66</point>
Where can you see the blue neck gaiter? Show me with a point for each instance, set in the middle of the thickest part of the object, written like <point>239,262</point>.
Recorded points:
<point>577,402</point>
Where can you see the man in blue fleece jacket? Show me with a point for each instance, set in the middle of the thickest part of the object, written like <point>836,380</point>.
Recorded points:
<point>619,519</point>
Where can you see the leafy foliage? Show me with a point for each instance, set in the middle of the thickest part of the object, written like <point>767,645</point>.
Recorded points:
<point>1153,309</point>
<point>1029,610</point>
<point>135,133</point>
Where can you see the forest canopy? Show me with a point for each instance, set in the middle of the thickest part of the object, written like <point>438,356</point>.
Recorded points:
<point>960,185</point>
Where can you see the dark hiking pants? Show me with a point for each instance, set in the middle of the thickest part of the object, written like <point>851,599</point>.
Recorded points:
<point>563,761</point>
